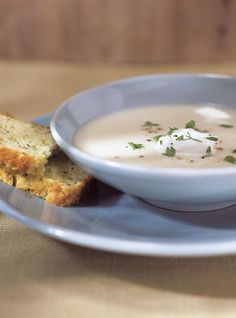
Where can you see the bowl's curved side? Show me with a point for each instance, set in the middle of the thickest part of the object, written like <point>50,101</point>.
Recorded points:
<point>174,187</point>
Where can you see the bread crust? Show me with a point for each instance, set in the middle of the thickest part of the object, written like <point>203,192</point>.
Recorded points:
<point>6,177</point>
<point>62,195</point>
<point>53,191</point>
<point>17,162</point>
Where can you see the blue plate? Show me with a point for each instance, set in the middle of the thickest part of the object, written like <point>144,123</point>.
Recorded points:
<point>110,220</point>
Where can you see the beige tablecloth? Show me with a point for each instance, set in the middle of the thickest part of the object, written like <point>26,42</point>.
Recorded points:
<point>42,277</point>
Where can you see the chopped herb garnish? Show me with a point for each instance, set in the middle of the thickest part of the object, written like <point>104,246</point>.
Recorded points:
<point>234,151</point>
<point>150,124</point>
<point>190,124</point>
<point>208,152</point>
<point>230,159</point>
<point>190,137</point>
<point>212,138</point>
<point>170,132</point>
<point>180,137</point>
<point>157,137</point>
<point>208,149</point>
<point>170,152</point>
<point>135,146</point>
<point>202,130</point>
<point>226,126</point>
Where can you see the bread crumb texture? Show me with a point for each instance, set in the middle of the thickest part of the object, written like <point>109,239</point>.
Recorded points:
<point>25,147</point>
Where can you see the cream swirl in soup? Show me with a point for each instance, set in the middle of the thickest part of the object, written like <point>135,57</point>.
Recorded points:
<point>163,136</point>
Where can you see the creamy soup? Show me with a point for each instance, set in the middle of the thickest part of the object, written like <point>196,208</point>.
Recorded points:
<point>163,136</point>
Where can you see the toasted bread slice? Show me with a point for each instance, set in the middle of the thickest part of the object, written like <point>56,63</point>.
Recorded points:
<point>63,183</point>
<point>24,147</point>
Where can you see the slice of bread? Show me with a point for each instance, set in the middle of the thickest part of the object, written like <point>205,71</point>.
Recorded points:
<point>24,147</point>
<point>63,183</point>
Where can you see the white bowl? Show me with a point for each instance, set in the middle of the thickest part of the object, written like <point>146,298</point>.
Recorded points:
<point>179,189</point>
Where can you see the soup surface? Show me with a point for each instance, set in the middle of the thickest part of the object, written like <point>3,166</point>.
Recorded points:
<point>163,136</point>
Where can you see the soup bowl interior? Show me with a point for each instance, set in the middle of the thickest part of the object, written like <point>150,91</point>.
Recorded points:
<point>184,189</point>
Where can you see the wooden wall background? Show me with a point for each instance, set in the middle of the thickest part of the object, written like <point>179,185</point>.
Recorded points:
<point>142,31</point>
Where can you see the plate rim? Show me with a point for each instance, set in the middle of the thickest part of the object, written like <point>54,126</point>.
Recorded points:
<point>110,244</point>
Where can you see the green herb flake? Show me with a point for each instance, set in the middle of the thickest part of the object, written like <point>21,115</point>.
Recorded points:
<point>170,152</point>
<point>190,124</point>
<point>212,138</point>
<point>150,124</point>
<point>226,126</point>
<point>208,152</point>
<point>135,146</point>
<point>230,159</point>
<point>170,132</point>
<point>187,137</point>
<point>180,138</point>
<point>157,138</point>
<point>201,130</point>
<point>190,137</point>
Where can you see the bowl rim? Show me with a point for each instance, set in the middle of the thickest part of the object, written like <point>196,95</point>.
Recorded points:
<point>112,166</point>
